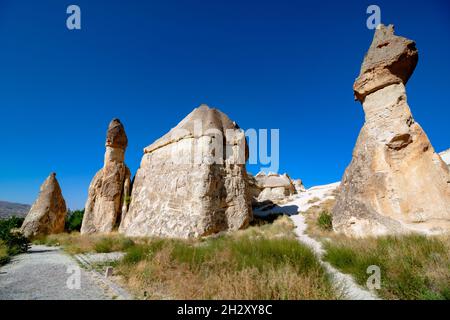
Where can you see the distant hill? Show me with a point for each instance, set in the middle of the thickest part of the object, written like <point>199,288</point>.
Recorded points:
<point>9,209</point>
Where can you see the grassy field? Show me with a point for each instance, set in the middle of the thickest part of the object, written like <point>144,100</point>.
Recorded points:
<point>267,262</point>
<point>412,267</point>
<point>262,262</point>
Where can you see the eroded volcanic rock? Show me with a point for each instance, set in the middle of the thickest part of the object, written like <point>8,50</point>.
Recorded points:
<point>396,182</point>
<point>48,213</point>
<point>192,182</point>
<point>110,189</point>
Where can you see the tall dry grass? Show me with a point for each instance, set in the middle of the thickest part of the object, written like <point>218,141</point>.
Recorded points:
<point>412,266</point>
<point>259,263</point>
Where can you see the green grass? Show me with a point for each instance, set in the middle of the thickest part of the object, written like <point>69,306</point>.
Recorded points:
<point>325,221</point>
<point>250,264</point>
<point>412,267</point>
<point>74,243</point>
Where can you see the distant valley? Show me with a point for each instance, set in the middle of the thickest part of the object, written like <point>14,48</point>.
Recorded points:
<point>9,209</point>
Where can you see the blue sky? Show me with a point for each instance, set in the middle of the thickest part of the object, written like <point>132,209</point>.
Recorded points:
<point>288,65</point>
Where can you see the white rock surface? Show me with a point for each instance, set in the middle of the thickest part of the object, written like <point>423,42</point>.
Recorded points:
<point>343,283</point>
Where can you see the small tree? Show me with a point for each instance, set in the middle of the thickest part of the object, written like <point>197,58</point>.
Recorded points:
<point>74,220</point>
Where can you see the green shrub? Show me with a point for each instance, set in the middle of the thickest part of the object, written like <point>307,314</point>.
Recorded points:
<point>325,221</point>
<point>4,257</point>
<point>109,244</point>
<point>14,241</point>
<point>104,245</point>
<point>74,220</point>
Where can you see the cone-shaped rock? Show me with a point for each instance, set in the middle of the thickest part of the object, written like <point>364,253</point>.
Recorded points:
<point>48,213</point>
<point>110,189</point>
<point>396,182</point>
<point>192,182</point>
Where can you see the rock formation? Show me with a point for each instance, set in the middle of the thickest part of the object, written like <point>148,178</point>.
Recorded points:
<point>298,185</point>
<point>445,155</point>
<point>273,187</point>
<point>109,191</point>
<point>192,182</point>
<point>48,213</point>
<point>396,182</point>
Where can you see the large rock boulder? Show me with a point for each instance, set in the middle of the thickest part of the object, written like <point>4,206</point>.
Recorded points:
<point>110,189</point>
<point>396,182</point>
<point>273,187</point>
<point>192,182</point>
<point>48,213</point>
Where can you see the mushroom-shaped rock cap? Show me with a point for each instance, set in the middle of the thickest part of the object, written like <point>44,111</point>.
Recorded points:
<point>116,136</point>
<point>200,122</point>
<point>391,59</point>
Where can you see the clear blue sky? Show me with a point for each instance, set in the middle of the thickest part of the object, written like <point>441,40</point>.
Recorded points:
<point>267,64</point>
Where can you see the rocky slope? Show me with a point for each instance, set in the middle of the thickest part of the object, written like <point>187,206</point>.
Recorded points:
<point>445,155</point>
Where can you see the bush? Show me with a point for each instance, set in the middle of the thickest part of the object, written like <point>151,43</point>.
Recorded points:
<point>12,240</point>
<point>74,220</point>
<point>4,257</point>
<point>325,221</point>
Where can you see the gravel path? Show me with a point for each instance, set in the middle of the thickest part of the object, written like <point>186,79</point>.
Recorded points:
<point>343,283</point>
<point>43,274</point>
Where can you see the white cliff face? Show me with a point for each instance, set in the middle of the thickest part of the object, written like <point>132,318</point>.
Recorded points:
<point>192,182</point>
<point>110,188</point>
<point>445,155</point>
<point>396,182</point>
<point>48,213</point>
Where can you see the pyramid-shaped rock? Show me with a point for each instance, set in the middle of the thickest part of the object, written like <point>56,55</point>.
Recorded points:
<point>48,213</point>
<point>396,182</point>
<point>192,182</point>
<point>110,189</point>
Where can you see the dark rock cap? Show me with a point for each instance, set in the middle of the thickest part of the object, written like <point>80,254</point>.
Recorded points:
<point>116,136</point>
<point>391,59</point>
